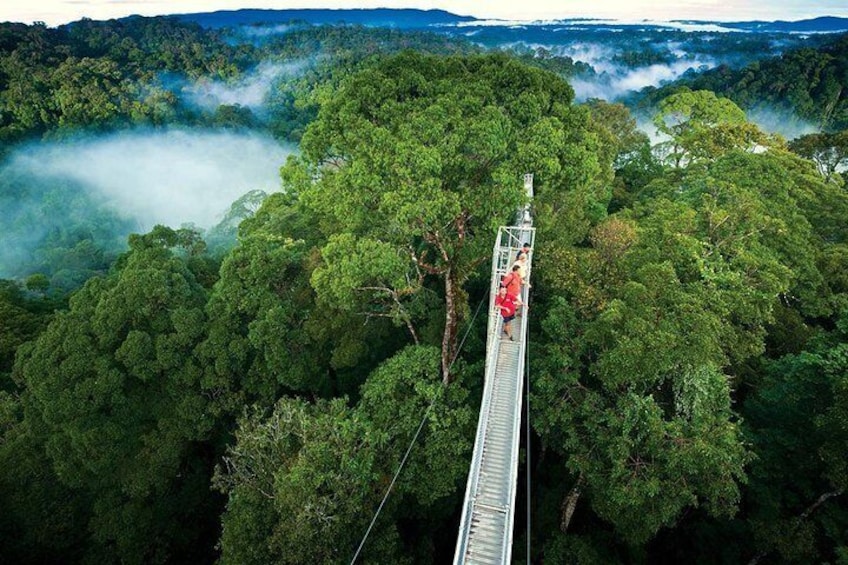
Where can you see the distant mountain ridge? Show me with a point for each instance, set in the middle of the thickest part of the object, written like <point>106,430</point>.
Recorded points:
<point>823,24</point>
<point>376,17</point>
<point>418,19</point>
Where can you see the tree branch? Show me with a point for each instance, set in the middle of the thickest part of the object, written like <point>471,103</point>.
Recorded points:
<point>569,504</point>
<point>801,517</point>
<point>395,295</point>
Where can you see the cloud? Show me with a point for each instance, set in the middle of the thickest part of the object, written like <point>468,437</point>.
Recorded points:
<point>168,177</point>
<point>784,122</point>
<point>613,81</point>
<point>261,31</point>
<point>251,91</point>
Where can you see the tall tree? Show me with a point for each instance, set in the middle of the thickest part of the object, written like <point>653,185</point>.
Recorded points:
<point>702,126</point>
<point>113,386</point>
<point>632,159</point>
<point>21,319</point>
<point>304,479</point>
<point>655,315</point>
<point>797,424</point>
<point>829,151</point>
<point>262,312</point>
<point>412,165</point>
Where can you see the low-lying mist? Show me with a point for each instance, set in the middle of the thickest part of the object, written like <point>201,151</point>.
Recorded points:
<point>782,121</point>
<point>55,196</point>
<point>612,80</point>
<point>172,177</point>
<point>616,83</point>
<point>251,91</point>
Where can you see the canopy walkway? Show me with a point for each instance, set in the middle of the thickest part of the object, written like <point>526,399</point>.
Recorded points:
<point>485,531</point>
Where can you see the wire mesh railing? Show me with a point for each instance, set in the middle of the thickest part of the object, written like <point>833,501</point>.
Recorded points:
<point>510,240</point>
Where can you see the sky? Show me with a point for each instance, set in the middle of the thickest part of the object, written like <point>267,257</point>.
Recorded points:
<point>57,12</point>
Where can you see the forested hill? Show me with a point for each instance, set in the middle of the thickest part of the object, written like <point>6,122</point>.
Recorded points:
<point>167,400</point>
<point>823,24</point>
<point>136,71</point>
<point>379,17</point>
<point>104,75</point>
<point>419,19</point>
<point>803,83</point>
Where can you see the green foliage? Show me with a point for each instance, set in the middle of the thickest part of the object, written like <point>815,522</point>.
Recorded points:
<point>543,58</point>
<point>233,117</point>
<point>621,136</point>
<point>23,315</point>
<point>43,520</point>
<point>803,83</point>
<point>114,388</point>
<point>326,56</point>
<point>393,400</point>
<point>302,481</point>
<point>702,126</point>
<point>829,151</point>
<point>648,426</point>
<point>133,69</point>
<point>303,471</point>
<point>94,75</point>
<point>578,550</point>
<point>417,161</point>
<point>654,314</point>
<point>267,335</point>
<point>628,149</point>
<point>572,175</point>
<point>429,119</point>
<point>688,329</point>
<point>257,342</point>
<point>797,426</point>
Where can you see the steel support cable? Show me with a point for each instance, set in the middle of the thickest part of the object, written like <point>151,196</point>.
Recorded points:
<point>414,438</point>
<point>527,426</point>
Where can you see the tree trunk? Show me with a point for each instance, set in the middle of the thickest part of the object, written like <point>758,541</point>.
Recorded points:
<point>804,515</point>
<point>569,504</point>
<point>449,337</point>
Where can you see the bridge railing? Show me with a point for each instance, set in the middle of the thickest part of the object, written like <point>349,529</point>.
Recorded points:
<point>509,241</point>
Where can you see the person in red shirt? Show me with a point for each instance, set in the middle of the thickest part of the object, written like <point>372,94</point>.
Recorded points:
<point>512,282</point>
<point>506,303</point>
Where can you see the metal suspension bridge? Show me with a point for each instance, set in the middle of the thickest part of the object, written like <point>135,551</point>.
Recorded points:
<point>485,531</point>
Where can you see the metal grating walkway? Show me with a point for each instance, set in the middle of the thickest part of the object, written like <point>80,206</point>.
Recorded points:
<point>485,532</point>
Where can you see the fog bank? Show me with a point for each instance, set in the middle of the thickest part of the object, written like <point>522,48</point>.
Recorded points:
<point>251,91</point>
<point>168,177</point>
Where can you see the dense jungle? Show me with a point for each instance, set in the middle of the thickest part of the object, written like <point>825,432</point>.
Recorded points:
<point>238,267</point>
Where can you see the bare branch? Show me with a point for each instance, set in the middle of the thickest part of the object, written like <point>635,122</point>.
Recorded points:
<point>801,517</point>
